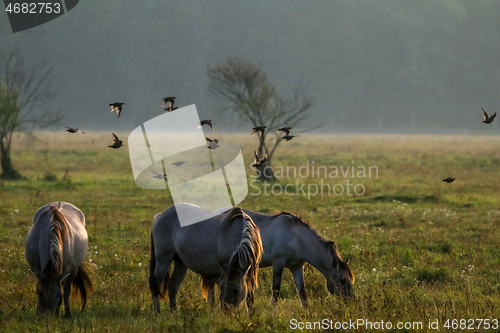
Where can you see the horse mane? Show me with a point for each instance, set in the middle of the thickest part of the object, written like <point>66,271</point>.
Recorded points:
<point>58,231</point>
<point>330,245</point>
<point>249,251</point>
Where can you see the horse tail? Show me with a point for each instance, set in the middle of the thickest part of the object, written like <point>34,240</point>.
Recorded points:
<point>154,287</point>
<point>82,284</point>
<point>58,232</point>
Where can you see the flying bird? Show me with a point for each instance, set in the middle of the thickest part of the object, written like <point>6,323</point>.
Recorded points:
<point>73,130</point>
<point>285,130</point>
<point>117,143</point>
<point>206,122</point>
<point>489,119</point>
<point>259,129</point>
<point>159,175</point>
<point>288,137</point>
<point>449,180</point>
<point>178,163</point>
<point>256,162</point>
<point>169,100</point>
<point>212,144</point>
<point>116,106</point>
<point>171,108</point>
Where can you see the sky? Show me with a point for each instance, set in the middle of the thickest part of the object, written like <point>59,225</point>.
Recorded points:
<point>370,66</point>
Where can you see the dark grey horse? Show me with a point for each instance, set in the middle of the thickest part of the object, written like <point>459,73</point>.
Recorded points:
<point>56,246</point>
<point>227,248</point>
<point>289,243</point>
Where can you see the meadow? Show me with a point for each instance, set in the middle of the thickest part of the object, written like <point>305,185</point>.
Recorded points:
<point>421,250</point>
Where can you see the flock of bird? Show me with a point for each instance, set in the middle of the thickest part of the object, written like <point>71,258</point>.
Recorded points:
<point>487,120</point>
<point>118,106</point>
<point>211,143</point>
<point>214,143</point>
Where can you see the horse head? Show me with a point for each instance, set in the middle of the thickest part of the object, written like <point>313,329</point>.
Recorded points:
<point>49,288</point>
<point>339,279</point>
<point>233,283</point>
<point>239,277</point>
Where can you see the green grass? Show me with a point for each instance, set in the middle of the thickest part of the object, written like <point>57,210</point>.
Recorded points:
<point>420,249</point>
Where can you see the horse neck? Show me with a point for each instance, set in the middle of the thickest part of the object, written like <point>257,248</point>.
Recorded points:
<point>315,251</point>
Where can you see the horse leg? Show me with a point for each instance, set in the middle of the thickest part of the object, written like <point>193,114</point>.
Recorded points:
<point>178,275</point>
<point>298,278</point>
<point>156,280</point>
<point>277,273</point>
<point>67,294</point>
<point>209,288</point>
<point>211,295</point>
<point>220,290</point>
<point>250,299</point>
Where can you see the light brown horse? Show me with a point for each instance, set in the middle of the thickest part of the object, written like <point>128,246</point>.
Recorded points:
<point>56,246</point>
<point>227,249</point>
<point>289,243</point>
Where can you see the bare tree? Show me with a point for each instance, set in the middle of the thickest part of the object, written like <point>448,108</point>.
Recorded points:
<point>245,90</point>
<point>23,90</point>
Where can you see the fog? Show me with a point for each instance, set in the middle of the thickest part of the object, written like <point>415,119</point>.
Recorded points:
<point>371,66</point>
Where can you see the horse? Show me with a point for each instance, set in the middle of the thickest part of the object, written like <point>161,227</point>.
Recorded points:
<point>289,243</point>
<point>56,245</point>
<point>227,249</point>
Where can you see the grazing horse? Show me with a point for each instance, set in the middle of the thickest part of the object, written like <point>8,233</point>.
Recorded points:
<point>56,246</point>
<point>289,243</point>
<point>227,249</point>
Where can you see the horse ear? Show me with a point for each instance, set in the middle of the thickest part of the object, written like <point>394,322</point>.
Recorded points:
<point>62,277</point>
<point>39,276</point>
<point>47,268</point>
<point>223,268</point>
<point>348,260</point>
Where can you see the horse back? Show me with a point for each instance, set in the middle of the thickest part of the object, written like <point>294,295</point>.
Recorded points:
<point>200,246</point>
<point>72,213</point>
<point>282,238</point>
<point>75,242</point>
